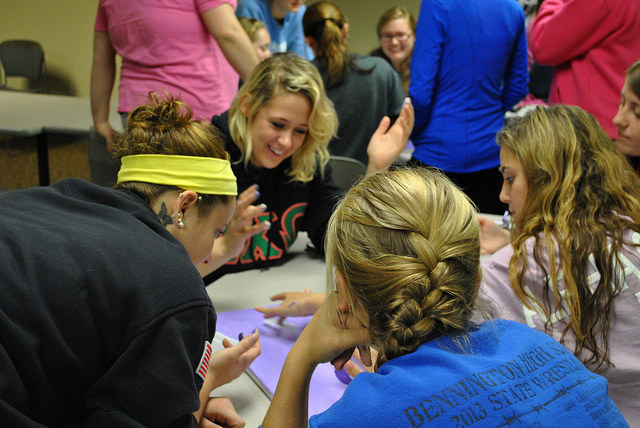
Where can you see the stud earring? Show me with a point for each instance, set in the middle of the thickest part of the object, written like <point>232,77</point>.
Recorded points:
<point>180,195</point>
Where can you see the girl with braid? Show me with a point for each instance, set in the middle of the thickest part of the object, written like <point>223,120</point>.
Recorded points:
<point>403,259</point>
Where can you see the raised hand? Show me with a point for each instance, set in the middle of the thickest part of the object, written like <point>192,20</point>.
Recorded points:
<point>387,143</point>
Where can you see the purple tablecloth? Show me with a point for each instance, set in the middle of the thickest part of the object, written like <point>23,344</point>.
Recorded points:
<point>276,342</point>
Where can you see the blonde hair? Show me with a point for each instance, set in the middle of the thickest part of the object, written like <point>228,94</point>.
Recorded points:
<point>408,246</point>
<point>286,73</point>
<point>165,126</point>
<point>251,26</point>
<point>582,194</point>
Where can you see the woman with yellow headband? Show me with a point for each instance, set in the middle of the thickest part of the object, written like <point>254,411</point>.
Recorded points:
<point>277,132</point>
<point>105,320</point>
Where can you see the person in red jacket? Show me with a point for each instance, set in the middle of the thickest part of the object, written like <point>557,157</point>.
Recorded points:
<point>590,44</point>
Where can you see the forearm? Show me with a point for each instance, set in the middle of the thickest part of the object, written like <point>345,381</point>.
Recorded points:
<point>234,42</point>
<point>289,406</point>
<point>103,73</point>
<point>239,51</point>
<point>210,383</point>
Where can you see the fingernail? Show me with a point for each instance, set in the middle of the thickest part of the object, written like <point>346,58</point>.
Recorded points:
<point>241,336</point>
<point>268,223</point>
<point>263,207</point>
<point>257,194</point>
<point>255,331</point>
<point>257,187</point>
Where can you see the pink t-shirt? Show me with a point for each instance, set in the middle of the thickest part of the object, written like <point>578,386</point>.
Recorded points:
<point>590,44</point>
<point>166,48</point>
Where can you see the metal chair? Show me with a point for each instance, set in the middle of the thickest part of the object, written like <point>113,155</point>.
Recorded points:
<point>346,171</point>
<point>23,58</point>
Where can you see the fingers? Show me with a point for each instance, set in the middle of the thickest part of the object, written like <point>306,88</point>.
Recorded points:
<point>383,126</point>
<point>281,296</point>
<point>249,342</point>
<point>219,412</point>
<point>339,361</point>
<point>352,369</point>
<point>248,196</point>
<point>268,311</point>
<point>365,355</point>
<point>482,219</point>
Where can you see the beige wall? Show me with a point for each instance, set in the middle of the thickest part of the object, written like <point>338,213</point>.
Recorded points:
<point>363,17</point>
<point>65,30</point>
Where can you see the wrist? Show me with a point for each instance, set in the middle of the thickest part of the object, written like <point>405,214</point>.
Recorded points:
<point>300,357</point>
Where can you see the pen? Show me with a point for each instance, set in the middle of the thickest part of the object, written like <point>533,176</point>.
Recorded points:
<point>506,220</point>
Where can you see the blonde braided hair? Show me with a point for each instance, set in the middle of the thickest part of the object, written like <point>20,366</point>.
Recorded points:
<point>407,244</point>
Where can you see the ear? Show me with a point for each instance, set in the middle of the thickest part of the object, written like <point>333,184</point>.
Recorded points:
<point>312,44</point>
<point>245,105</point>
<point>343,292</point>
<point>345,30</point>
<point>184,204</point>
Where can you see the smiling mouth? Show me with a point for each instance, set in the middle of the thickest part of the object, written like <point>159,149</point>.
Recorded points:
<point>277,152</point>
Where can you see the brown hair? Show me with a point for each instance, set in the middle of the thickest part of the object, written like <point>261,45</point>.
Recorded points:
<point>165,126</point>
<point>324,22</point>
<point>582,194</point>
<point>398,12</point>
<point>633,78</point>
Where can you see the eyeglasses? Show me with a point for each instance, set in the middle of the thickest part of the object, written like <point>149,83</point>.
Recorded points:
<point>401,37</point>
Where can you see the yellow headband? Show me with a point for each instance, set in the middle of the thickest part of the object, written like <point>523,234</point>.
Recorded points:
<point>211,176</point>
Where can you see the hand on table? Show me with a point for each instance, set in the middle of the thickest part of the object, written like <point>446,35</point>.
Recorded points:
<point>492,236</point>
<point>294,304</point>
<point>219,412</point>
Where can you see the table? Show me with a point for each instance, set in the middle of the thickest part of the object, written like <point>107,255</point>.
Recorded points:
<point>246,289</point>
<point>28,114</point>
<point>304,269</point>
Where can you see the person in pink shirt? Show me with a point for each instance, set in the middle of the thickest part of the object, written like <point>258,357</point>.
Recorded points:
<point>194,50</point>
<point>590,44</point>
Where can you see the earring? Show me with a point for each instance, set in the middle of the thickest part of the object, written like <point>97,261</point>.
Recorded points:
<point>180,222</point>
<point>180,195</point>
